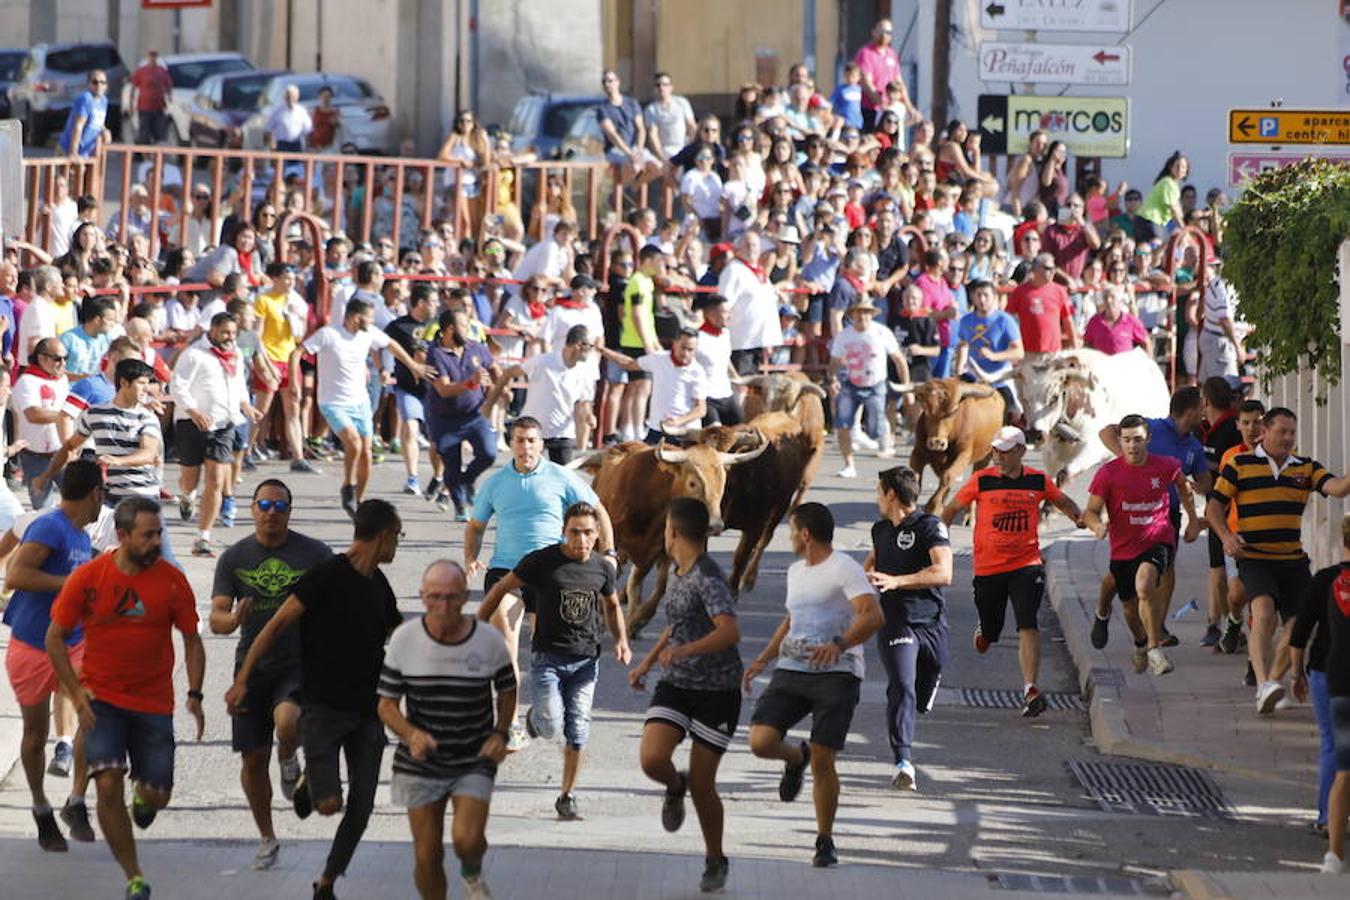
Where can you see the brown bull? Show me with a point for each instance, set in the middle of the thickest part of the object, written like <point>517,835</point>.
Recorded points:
<point>636,484</point>
<point>956,424</point>
<point>792,393</point>
<point>759,494</point>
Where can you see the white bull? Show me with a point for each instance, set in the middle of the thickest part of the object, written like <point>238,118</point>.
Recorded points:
<point>1071,396</point>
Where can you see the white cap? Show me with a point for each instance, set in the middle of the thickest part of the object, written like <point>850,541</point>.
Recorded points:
<point>1008,437</point>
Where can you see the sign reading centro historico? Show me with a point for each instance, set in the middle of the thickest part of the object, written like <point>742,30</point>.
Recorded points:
<point>1090,126</point>
<point>1289,126</point>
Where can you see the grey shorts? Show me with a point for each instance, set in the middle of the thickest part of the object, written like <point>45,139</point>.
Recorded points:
<point>412,791</point>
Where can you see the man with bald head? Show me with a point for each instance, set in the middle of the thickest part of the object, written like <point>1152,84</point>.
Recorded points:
<point>438,661</point>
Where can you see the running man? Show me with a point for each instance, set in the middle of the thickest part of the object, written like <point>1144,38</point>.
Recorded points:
<point>910,563</point>
<point>345,610</point>
<point>831,610</point>
<point>528,498</point>
<point>129,602</point>
<point>1007,551</point>
<point>1132,490</point>
<point>53,546</point>
<point>253,579</point>
<point>445,658</point>
<point>569,589</point>
<point>1271,487</point>
<point>1251,424</point>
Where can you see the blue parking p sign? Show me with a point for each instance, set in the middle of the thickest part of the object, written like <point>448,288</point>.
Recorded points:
<point>1270,126</point>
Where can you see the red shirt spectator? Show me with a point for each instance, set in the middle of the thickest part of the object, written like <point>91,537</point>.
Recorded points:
<point>152,84</point>
<point>1043,310</point>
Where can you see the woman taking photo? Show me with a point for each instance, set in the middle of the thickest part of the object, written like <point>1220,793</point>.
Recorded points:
<point>468,148</point>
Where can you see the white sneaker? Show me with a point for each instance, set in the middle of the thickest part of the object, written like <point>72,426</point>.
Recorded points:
<point>1287,702</point>
<point>1270,694</point>
<point>476,888</point>
<point>1158,663</point>
<point>863,440</point>
<point>266,857</point>
<point>1139,657</point>
<point>887,449</point>
<point>1332,864</point>
<point>848,472</point>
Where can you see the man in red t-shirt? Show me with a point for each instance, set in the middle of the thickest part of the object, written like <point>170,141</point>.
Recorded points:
<point>1071,238</point>
<point>1043,311</point>
<point>129,602</point>
<point>1007,545</point>
<point>150,88</point>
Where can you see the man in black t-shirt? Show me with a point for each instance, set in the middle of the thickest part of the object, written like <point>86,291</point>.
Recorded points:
<point>345,610</point>
<point>410,332</point>
<point>910,563</point>
<point>568,588</point>
<point>1219,434</point>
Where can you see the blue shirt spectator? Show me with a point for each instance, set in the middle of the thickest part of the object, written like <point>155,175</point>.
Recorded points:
<point>847,103</point>
<point>1164,440</point>
<point>30,612</point>
<point>84,351</point>
<point>994,332</point>
<point>92,108</point>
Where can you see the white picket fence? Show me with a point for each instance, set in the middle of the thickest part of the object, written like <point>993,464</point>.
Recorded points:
<point>1323,432</point>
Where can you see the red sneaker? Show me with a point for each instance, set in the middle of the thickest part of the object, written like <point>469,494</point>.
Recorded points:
<point>982,644</point>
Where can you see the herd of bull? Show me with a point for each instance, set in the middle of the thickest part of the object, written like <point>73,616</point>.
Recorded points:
<point>751,475</point>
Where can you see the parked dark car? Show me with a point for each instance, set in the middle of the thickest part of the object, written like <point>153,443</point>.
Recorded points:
<point>541,120</point>
<point>217,112</point>
<point>53,75</point>
<point>10,63</point>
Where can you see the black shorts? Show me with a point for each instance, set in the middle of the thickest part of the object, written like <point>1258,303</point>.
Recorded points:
<point>746,362</point>
<point>196,446</point>
<point>1284,580</point>
<point>829,698</point>
<point>560,450</point>
<point>709,717</point>
<point>251,729</point>
<point>723,411</point>
<point>491,577</point>
<point>1025,587</point>
<point>1217,559</point>
<point>1160,556</point>
<point>636,353</point>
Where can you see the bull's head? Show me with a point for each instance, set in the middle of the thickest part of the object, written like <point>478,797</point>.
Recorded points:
<point>775,393</point>
<point>700,471</point>
<point>938,403</point>
<point>1057,392</point>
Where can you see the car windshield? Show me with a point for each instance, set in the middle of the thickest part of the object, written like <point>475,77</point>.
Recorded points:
<point>560,118</point>
<point>191,74</point>
<point>243,93</point>
<point>83,59</point>
<point>10,63</point>
<point>345,90</point>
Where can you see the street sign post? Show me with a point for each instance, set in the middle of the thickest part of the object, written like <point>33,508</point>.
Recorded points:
<point>1039,15</point>
<point>1289,126</point>
<point>1090,126</point>
<point>1244,165</point>
<point>1055,63</point>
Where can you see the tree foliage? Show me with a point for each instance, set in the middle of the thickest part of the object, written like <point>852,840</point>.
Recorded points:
<point>1280,256</point>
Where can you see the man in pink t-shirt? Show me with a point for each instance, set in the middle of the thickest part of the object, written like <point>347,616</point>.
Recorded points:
<point>1043,310</point>
<point>941,305</point>
<point>879,65</point>
<point>1114,329</point>
<point>1133,492</point>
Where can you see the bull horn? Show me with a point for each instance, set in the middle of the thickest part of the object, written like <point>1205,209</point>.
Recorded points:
<point>676,431</point>
<point>590,459</point>
<point>1077,375</point>
<point>901,388</point>
<point>974,390</point>
<point>667,455</point>
<point>813,388</point>
<point>735,459</point>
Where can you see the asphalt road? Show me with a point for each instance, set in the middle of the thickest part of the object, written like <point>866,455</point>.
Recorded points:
<point>995,796</point>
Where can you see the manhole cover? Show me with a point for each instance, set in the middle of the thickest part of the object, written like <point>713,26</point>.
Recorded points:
<point>1009,699</point>
<point>1152,790</point>
<point>1075,885</point>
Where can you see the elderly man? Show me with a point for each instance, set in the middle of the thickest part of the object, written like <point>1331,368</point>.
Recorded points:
<point>39,318</point>
<point>1114,329</point>
<point>1043,310</point>
<point>289,123</point>
<point>752,305</point>
<point>36,400</point>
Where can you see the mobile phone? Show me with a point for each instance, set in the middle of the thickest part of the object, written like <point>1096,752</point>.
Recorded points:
<point>1065,215</point>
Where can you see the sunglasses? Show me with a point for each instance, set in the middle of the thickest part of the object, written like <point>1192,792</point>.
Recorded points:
<point>280,506</point>
<point>53,356</point>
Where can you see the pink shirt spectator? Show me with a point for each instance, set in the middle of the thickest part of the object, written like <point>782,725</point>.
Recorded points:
<point>882,64</point>
<point>937,296</point>
<point>1136,499</point>
<point>1127,332</point>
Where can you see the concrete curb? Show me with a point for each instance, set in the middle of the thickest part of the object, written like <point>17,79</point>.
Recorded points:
<point>1196,885</point>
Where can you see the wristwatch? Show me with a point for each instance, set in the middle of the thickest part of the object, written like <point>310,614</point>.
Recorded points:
<point>195,695</point>
<point>612,553</point>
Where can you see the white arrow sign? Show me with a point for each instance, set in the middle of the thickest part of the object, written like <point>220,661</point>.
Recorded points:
<point>1056,15</point>
<point>1055,63</point>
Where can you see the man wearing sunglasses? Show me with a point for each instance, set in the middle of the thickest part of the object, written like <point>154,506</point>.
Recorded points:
<point>253,578</point>
<point>38,397</point>
<point>86,126</point>
<point>879,65</point>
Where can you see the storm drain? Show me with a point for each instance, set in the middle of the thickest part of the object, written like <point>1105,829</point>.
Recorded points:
<point>1011,699</point>
<point>1075,885</point>
<point>1152,790</point>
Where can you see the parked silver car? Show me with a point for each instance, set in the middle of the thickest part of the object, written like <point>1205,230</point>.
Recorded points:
<point>366,122</point>
<point>52,77</point>
<point>187,71</point>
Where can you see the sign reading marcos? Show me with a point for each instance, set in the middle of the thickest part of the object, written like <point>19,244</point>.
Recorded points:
<point>1090,126</point>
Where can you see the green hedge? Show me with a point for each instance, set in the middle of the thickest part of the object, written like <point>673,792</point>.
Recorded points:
<point>1280,256</point>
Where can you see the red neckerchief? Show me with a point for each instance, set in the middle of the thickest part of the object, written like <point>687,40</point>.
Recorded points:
<point>227,359</point>
<point>538,309</point>
<point>246,261</point>
<point>1340,589</point>
<point>758,270</point>
<point>711,329</point>
<point>569,303</point>
<point>39,372</point>
<point>857,284</point>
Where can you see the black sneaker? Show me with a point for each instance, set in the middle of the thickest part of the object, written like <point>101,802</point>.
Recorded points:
<point>566,806</point>
<point>790,785</point>
<point>302,802</point>
<point>1211,636</point>
<point>432,489</point>
<point>1250,678</point>
<point>348,495</point>
<point>529,727</point>
<point>1033,703</point>
<point>1101,632</point>
<point>825,855</point>
<point>1232,634</point>
<point>76,817</point>
<point>49,835</point>
<point>142,813</point>
<point>672,808</point>
<point>714,875</point>
<point>1169,639</point>
<point>324,892</point>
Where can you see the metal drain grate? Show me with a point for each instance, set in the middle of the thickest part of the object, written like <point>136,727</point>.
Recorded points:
<point>1010,699</point>
<point>1152,790</point>
<point>1072,885</point>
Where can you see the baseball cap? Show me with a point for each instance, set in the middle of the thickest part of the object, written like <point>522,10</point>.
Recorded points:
<point>1008,437</point>
<point>719,252</point>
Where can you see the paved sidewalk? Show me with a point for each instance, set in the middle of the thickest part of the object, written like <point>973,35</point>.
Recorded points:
<point>1199,715</point>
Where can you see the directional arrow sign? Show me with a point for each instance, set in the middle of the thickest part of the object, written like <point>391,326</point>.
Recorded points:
<point>1054,63</point>
<point>1289,126</point>
<point>1248,164</point>
<point>1090,126</point>
<point>1057,15</point>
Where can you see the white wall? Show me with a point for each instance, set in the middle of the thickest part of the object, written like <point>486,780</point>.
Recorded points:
<point>1193,60</point>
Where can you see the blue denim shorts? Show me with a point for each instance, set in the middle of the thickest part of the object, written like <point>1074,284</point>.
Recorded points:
<point>341,416</point>
<point>563,690</point>
<point>147,738</point>
<point>1340,732</point>
<point>409,406</point>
